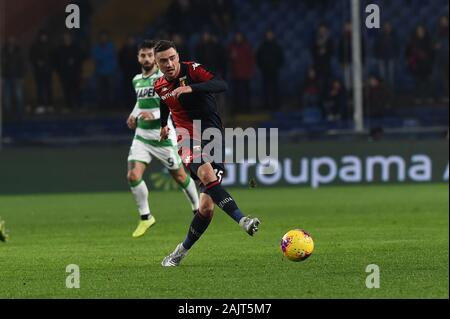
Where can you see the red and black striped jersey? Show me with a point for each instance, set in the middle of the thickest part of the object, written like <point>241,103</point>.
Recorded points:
<point>200,105</point>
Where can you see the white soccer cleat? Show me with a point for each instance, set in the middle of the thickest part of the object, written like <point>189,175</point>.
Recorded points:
<point>250,225</point>
<point>175,258</point>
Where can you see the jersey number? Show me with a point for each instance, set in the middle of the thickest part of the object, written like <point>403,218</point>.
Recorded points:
<point>219,174</point>
<point>170,161</point>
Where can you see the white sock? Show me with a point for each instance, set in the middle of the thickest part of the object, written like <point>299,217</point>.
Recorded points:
<point>191,193</point>
<point>140,194</point>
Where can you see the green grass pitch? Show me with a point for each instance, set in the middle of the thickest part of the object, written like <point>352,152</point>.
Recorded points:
<point>402,229</point>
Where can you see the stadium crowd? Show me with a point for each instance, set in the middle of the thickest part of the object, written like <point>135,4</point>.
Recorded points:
<point>62,61</point>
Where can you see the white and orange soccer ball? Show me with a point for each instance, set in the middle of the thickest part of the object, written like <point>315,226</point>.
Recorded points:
<point>297,245</point>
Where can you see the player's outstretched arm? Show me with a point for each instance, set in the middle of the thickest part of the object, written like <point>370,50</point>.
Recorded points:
<point>182,90</point>
<point>215,85</point>
<point>206,81</point>
<point>212,86</point>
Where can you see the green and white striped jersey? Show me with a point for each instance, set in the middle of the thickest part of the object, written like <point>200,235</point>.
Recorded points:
<point>148,101</point>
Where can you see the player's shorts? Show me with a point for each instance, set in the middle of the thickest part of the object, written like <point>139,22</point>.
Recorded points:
<point>144,153</point>
<point>193,158</point>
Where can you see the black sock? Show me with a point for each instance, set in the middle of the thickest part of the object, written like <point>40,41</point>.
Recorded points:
<point>224,200</point>
<point>198,226</point>
<point>145,217</point>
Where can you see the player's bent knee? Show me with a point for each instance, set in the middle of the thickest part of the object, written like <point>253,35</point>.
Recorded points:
<point>207,211</point>
<point>206,174</point>
<point>133,176</point>
<point>180,178</point>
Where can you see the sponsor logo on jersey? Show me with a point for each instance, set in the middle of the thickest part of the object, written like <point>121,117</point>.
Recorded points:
<point>166,96</point>
<point>145,93</point>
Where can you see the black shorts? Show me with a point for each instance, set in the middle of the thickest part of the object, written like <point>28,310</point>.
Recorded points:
<point>193,158</point>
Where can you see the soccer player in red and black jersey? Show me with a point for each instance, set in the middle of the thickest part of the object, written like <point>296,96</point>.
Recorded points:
<point>187,92</point>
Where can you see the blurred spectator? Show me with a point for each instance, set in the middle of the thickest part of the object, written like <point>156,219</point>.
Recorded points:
<point>211,53</point>
<point>201,12</point>
<point>346,54</point>
<point>129,67</point>
<point>335,102</point>
<point>42,62</point>
<point>162,34</point>
<point>386,51</point>
<point>316,4</point>
<point>12,67</point>
<point>376,134</point>
<point>182,48</point>
<point>270,57</point>
<point>180,17</point>
<point>68,62</point>
<point>83,35</point>
<point>242,63</point>
<point>311,89</point>
<point>105,58</point>
<point>322,51</point>
<point>378,97</point>
<point>222,15</point>
<point>442,56</point>
<point>222,59</point>
<point>419,56</point>
<point>256,4</point>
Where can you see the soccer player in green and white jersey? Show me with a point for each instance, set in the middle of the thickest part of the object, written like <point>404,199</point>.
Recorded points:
<point>145,119</point>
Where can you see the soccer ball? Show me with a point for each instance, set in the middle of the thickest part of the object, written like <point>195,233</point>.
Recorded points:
<point>297,245</point>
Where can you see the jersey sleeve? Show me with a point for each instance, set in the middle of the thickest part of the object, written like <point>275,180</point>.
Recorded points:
<point>199,73</point>
<point>205,81</point>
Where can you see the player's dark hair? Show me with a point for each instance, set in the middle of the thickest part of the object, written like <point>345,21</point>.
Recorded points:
<point>164,45</point>
<point>146,44</point>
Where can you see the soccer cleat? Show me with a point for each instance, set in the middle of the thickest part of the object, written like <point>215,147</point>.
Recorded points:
<point>143,226</point>
<point>250,225</point>
<point>175,258</point>
<point>3,232</point>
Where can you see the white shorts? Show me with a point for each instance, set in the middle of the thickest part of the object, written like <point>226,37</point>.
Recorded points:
<point>167,155</point>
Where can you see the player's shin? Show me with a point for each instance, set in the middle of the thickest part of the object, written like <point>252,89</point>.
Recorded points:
<point>140,193</point>
<point>198,226</point>
<point>224,200</point>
